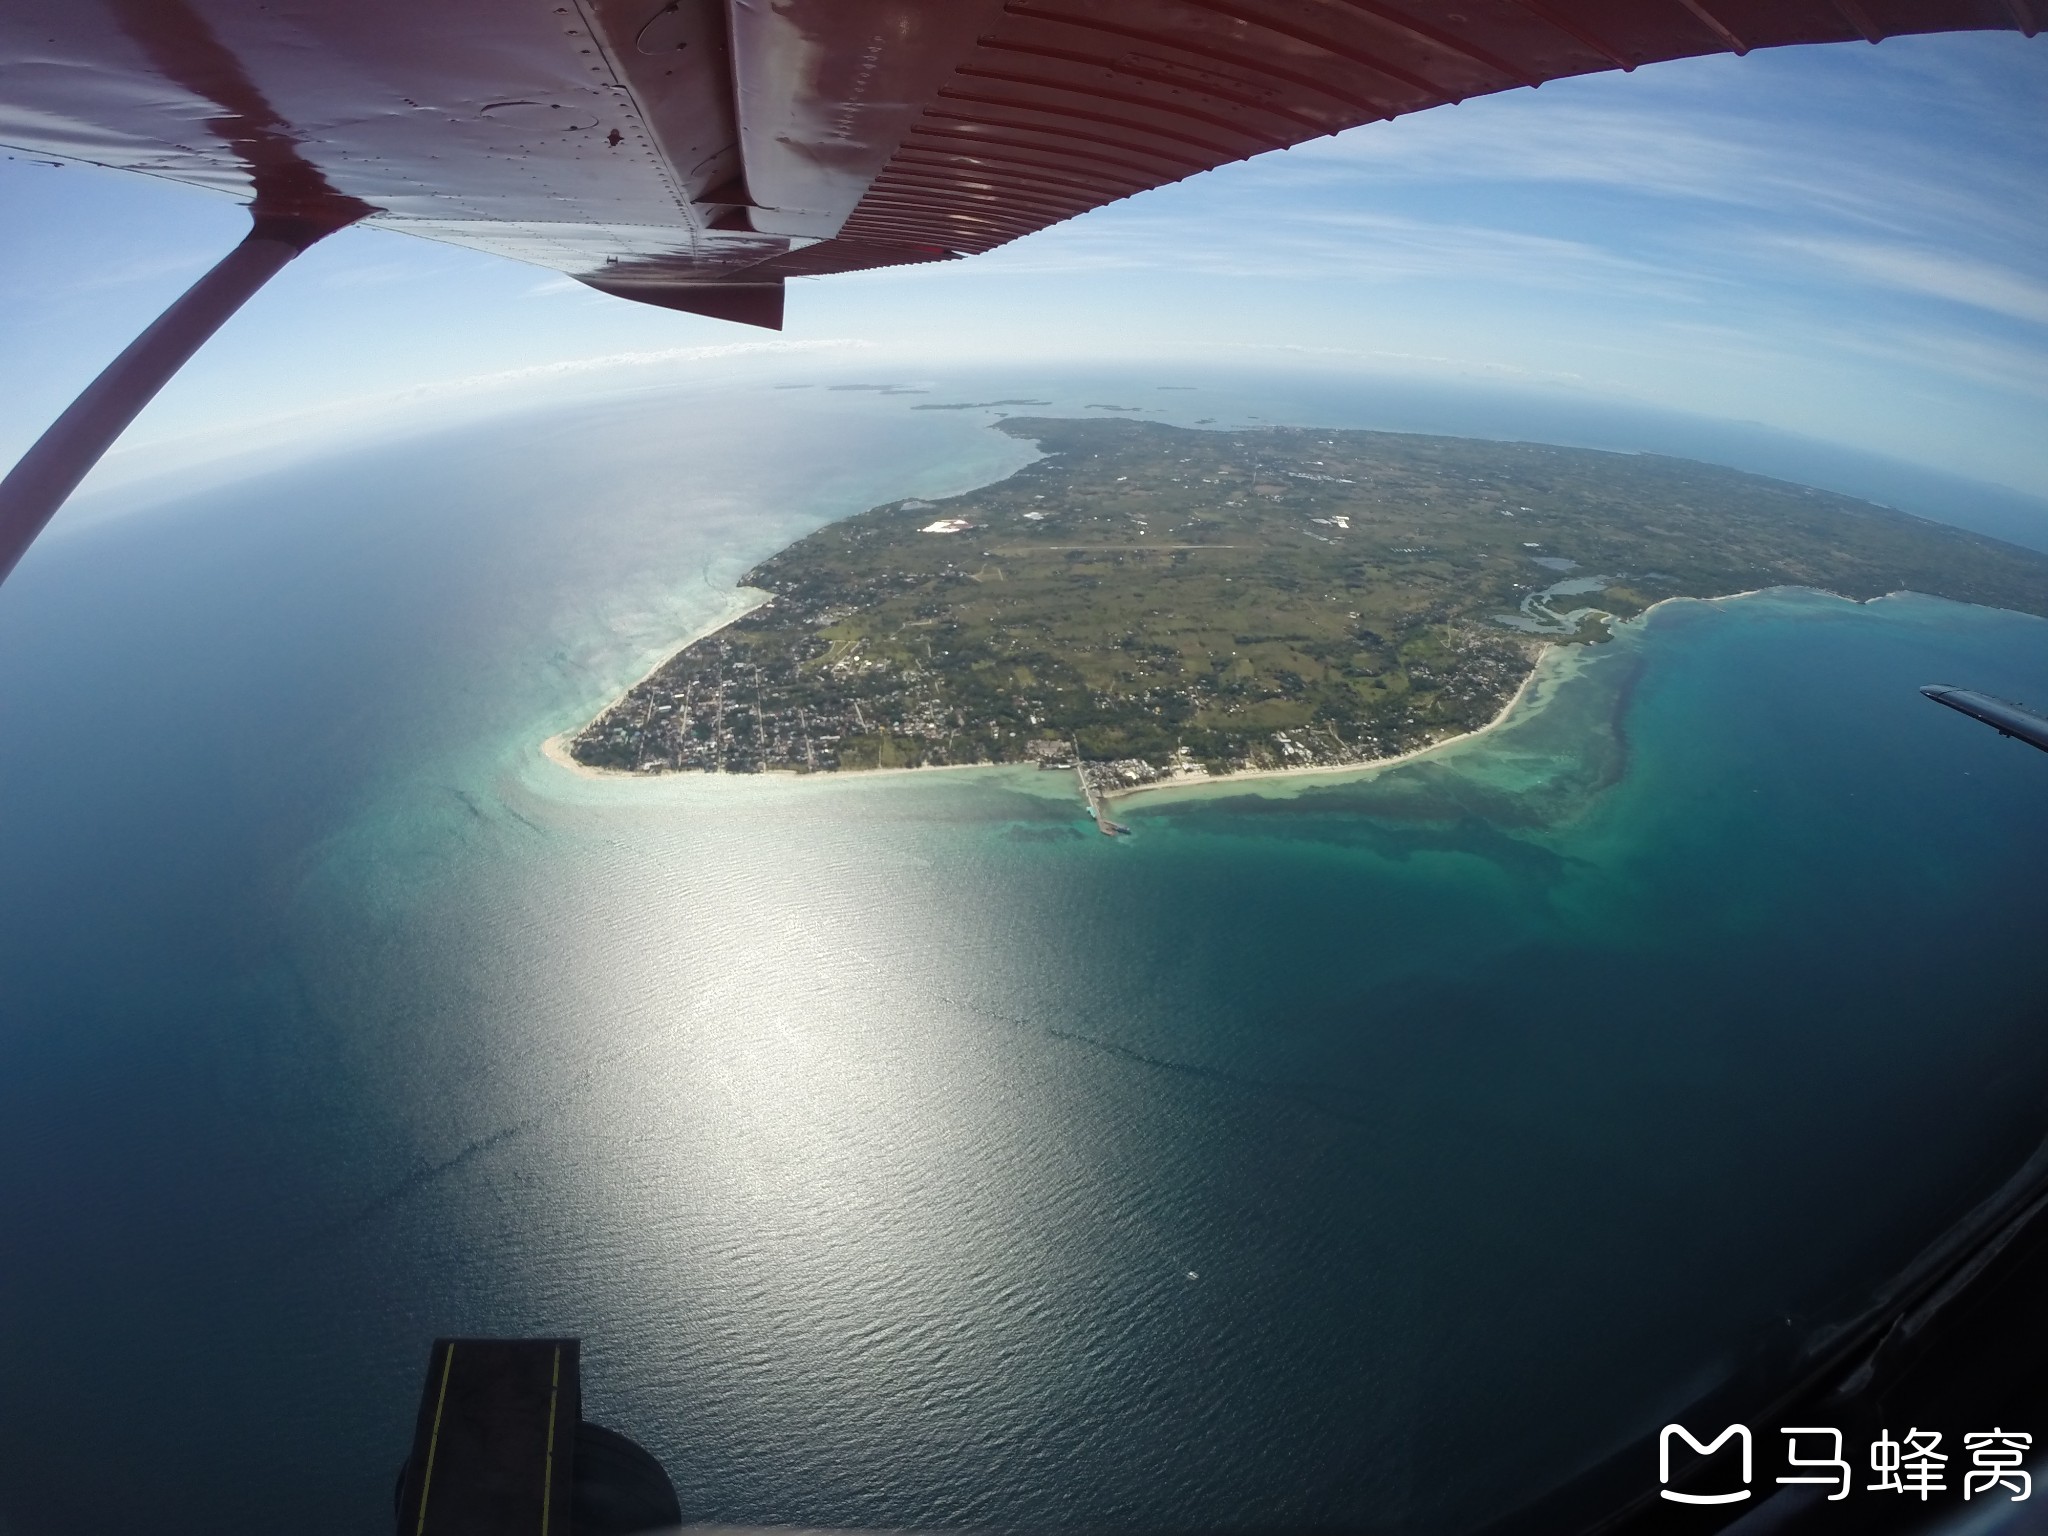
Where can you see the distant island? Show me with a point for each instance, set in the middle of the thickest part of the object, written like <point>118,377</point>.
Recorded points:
<point>1148,601</point>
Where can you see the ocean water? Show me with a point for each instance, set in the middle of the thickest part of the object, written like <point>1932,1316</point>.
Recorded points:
<point>1369,1151</point>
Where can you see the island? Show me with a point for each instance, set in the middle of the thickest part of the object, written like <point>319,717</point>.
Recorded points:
<point>1146,602</point>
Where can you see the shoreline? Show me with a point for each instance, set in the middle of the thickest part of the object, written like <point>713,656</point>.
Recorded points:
<point>556,750</point>
<point>1550,659</point>
<point>1551,656</point>
<point>1368,767</point>
<point>556,747</point>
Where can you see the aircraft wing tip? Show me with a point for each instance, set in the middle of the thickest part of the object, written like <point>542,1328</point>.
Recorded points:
<point>742,303</point>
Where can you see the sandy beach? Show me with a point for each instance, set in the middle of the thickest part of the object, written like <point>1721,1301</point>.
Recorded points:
<point>556,748</point>
<point>1550,668</point>
<point>1553,666</point>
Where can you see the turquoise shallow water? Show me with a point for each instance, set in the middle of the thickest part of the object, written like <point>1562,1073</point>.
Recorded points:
<point>1363,1152</point>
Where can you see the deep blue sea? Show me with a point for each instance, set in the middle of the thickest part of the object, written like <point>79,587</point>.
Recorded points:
<point>1342,1152</point>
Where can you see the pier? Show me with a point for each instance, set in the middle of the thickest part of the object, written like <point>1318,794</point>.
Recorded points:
<point>1093,796</point>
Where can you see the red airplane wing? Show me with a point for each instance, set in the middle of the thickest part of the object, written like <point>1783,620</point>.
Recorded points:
<point>695,154</point>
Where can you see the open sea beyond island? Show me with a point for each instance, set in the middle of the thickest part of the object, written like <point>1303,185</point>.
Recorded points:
<point>1372,1151</point>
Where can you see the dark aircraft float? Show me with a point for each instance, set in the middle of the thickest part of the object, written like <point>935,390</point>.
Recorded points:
<point>696,155</point>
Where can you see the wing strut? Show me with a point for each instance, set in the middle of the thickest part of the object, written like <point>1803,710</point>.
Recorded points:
<point>2002,715</point>
<point>50,471</point>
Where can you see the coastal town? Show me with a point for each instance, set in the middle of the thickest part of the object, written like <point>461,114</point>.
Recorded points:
<point>1145,603</point>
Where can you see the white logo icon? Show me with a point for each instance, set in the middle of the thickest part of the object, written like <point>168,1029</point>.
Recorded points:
<point>1738,1432</point>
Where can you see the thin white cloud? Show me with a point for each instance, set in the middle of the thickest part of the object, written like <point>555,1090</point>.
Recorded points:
<point>1324,243</point>
<point>1425,360</point>
<point>371,274</point>
<point>1948,275</point>
<point>1907,351</point>
<point>1740,147</point>
<point>616,361</point>
<point>422,407</point>
<point>2009,370</point>
<point>1593,145</point>
<point>99,277</point>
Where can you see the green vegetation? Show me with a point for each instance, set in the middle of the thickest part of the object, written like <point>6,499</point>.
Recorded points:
<point>1160,598</point>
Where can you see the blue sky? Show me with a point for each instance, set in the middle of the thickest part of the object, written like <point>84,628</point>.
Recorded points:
<point>1847,242</point>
